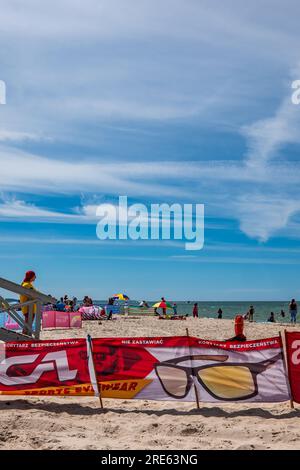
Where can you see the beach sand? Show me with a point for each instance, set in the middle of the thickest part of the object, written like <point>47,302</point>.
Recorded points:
<point>79,423</point>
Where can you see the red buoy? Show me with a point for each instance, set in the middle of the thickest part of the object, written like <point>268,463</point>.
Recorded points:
<point>239,325</point>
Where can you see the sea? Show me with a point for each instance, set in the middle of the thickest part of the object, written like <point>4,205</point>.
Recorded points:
<point>230,309</point>
<point>262,309</point>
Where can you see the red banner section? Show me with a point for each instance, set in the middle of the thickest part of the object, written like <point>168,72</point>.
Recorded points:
<point>172,368</point>
<point>159,368</point>
<point>56,367</point>
<point>258,345</point>
<point>293,359</point>
<point>125,367</point>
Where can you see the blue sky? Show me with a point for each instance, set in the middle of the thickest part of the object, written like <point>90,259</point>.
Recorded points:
<point>162,101</point>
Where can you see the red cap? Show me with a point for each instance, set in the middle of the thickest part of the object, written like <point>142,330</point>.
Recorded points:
<point>29,276</point>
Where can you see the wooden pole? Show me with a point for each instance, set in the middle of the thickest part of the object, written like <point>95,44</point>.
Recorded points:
<point>286,367</point>
<point>12,311</point>
<point>193,372</point>
<point>91,354</point>
<point>30,320</point>
<point>38,320</point>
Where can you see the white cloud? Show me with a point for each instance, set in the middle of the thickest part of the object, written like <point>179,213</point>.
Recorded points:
<point>112,19</point>
<point>24,172</point>
<point>261,216</point>
<point>21,210</point>
<point>119,108</point>
<point>15,136</point>
<point>265,211</point>
<point>267,136</point>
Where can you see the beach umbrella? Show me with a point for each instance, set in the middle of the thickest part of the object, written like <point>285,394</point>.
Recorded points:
<point>162,304</point>
<point>120,297</point>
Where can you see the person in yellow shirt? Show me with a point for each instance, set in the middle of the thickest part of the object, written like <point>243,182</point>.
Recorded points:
<point>29,278</point>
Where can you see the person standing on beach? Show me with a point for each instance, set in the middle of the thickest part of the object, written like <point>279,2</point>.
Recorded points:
<point>175,309</point>
<point>195,310</point>
<point>60,305</point>
<point>126,308</point>
<point>251,313</point>
<point>164,309</point>
<point>28,280</point>
<point>293,310</point>
<point>220,313</point>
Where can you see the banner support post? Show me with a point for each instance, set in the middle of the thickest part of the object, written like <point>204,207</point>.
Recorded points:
<point>286,365</point>
<point>91,353</point>
<point>195,388</point>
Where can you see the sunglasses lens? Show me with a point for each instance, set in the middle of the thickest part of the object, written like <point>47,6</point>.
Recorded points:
<point>228,382</point>
<point>174,380</point>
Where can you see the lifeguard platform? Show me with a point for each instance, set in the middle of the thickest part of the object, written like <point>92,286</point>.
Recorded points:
<point>34,303</point>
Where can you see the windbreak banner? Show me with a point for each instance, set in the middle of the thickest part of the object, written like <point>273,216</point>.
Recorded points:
<point>159,368</point>
<point>58,367</point>
<point>293,359</point>
<point>172,368</point>
<point>128,367</point>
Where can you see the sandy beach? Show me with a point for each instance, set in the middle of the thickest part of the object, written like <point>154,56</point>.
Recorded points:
<point>79,423</point>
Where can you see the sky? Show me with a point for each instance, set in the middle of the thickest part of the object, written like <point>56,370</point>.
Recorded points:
<point>169,101</point>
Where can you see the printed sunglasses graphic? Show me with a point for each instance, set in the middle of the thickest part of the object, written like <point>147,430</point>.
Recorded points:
<point>228,382</point>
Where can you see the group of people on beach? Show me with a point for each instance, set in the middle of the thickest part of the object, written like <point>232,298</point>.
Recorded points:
<point>196,312</point>
<point>247,316</point>
<point>64,304</point>
<point>293,310</point>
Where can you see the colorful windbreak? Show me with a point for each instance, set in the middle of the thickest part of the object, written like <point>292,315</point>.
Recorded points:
<point>159,368</point>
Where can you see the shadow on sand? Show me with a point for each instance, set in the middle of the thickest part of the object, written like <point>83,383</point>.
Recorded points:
<point>85,410</point>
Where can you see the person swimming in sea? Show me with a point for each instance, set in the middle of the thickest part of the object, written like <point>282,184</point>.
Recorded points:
<point>271,318</point>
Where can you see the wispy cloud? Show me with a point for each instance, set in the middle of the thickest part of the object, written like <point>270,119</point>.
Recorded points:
<point>267,137</point>
<point>30,173</point>
<point>20,210</point>
<point>269,209</point>
<point>261,200</point>
<point>15,136</point>
<point>262,215</point>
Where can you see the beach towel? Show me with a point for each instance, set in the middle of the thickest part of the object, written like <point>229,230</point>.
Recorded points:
<point>172,318</point>
<point>91,313</point>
